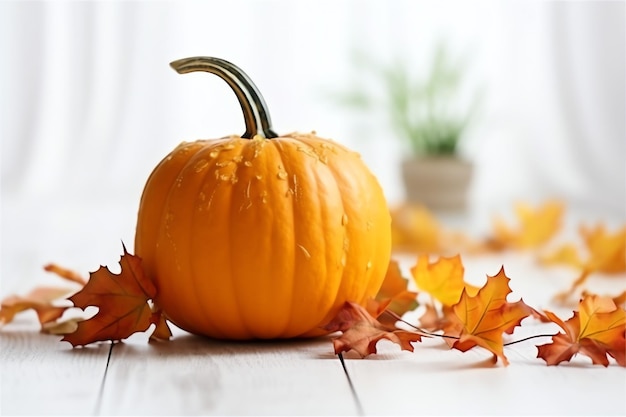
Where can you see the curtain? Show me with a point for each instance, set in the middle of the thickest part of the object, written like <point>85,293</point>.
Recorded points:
<point>89,104</point>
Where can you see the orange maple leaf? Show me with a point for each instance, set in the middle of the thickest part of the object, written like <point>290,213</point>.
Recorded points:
<point>536,226</point>
<point>481,320</point>
<point>361,332</point>
<point>395,289</point>
<point>65,273</point>
<point>42,299</point>
<point>122,302</point>
<point>442,279</point>
<point>596,330</point>
<point>606,253</point>
<point>432,320</point>
<point>39,299</point>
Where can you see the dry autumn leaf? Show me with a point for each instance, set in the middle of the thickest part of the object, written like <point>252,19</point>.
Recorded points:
<point>605,253</point>
<point>442,279</point>
<point>415,228</point>
<point>43,299</point>
<point>432,320</point>
<point>40,299</point>
<point>65,273</point>
<point>482,319</point>
<point>122,302</point>
<point>596,330</point>
<point>536,226</point>
<point>395,289</point>
<point>361,332</point>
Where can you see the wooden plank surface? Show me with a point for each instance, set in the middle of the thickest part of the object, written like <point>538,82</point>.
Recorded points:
<point>39,375</point>
<point>191,375</point>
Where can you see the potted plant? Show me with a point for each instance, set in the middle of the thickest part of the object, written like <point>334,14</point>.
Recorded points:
<point>424,115</point>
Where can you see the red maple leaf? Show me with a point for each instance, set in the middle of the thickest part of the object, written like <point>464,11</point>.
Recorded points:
<point>361,331</point>
<point>122,302</point>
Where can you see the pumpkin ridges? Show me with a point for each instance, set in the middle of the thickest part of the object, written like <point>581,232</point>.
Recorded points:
<point>252,271</point>
<point>350,161</point>
<point>306,211</point>
<point>185,292</point>
<point>233,286</point>
<point>282,322</point>
<point>159,180</point>
<point>224,296</point>
<point>201,279</point>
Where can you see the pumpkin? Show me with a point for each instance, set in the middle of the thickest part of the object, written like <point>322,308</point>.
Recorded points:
<point>260,236</point>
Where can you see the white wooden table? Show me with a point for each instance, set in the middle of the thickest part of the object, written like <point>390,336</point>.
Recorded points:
<point>190,375</point>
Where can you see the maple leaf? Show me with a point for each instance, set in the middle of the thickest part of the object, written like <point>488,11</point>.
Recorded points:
<point>65,273</point>
<point>536,226</point>
<point>39,299</point>
<point>596,330</point>
<point>414,228</point>
<point>606,253</point>
<point>442,279</point>
<point>122,302</point>
<point>161,330</point>
<point>482,319</point>
<point>432,320</point>
<point>361,332</point>
<point>395,289</point>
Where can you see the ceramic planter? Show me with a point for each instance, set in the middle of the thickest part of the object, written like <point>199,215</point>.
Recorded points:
<point>439,182</point>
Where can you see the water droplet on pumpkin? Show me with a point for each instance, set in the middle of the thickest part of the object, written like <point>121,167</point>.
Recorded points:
<point>238,158</point>
<point>222,164</point>
<point>343,260</point>
<point>259,176</point>
<point>369,225</point>
<point>282,175</point>
<point>369,265</point>
<point>201,165</point>
<point>214,154</point>
<point>305,251</point>
<point>224,177</point>
<point>247,163</point>
<point>344,219</point>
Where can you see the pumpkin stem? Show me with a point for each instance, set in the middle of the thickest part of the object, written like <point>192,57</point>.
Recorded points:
<point>255,113</point>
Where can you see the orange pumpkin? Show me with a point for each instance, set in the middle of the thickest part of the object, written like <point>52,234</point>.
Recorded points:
<point>260,236</point>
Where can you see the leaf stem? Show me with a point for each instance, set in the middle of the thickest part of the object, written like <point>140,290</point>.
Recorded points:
<point>527,338</point>
<point>445,336</point>
<point>424,332</point>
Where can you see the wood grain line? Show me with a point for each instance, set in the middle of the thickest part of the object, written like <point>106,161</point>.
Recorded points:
<point>355,396</point>
<point>103,382</point>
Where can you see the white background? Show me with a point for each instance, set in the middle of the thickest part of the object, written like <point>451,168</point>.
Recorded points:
<point>89,105</point>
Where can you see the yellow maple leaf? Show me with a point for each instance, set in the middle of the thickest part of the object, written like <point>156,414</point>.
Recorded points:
<point>606,253</point>
<point>442,279</point>
<point>415,228</point>
<point>536,226</point>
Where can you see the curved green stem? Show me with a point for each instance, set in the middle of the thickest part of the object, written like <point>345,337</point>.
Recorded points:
<point>255,113</point>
